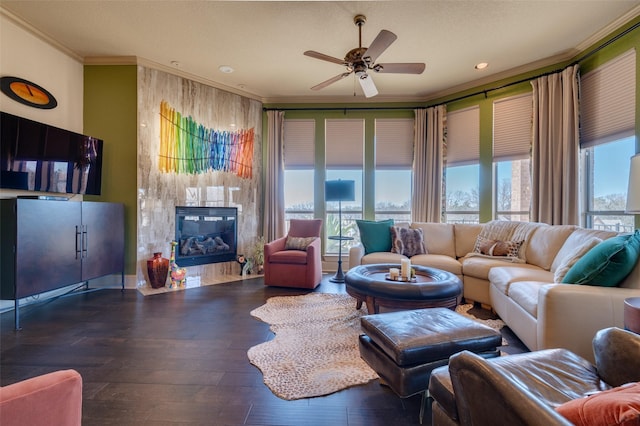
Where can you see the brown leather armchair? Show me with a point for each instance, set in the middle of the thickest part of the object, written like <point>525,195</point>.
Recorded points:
<point>295,268</point>
<point>50,399</point>
<point>526,389</point>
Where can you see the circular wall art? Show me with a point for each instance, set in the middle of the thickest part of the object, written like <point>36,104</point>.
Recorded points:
<point>27,93</point>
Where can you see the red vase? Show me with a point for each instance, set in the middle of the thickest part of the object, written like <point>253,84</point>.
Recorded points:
<point>158,268</point>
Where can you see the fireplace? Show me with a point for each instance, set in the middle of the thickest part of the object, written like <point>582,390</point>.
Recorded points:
<point>206,235</point>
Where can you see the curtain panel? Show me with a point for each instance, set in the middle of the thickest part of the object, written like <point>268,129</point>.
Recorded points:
<point>428,165</point>
<point>555,148</point>
<point>274,223</point>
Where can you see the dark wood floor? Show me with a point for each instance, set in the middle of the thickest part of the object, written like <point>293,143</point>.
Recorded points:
<point>180,358</point>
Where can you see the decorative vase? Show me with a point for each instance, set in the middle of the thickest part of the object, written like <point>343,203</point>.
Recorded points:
<point>158,268</point>
<point>178,274</point>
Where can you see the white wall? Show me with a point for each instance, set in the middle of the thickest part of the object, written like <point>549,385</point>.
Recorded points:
<point>25,55</point>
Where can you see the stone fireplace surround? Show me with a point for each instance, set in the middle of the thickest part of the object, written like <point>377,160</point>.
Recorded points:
<point>159,193</point>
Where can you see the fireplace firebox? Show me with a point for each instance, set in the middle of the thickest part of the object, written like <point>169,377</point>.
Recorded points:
<point>206,235</point>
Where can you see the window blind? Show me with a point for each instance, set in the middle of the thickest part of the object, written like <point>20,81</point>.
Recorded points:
<point>512,128</point>
<point>344,140</point>
<point>607,101</point>
<point>394,143</point>
<point>463,137</point>
<point>299,144</point>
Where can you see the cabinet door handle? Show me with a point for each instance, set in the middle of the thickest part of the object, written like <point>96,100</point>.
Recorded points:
<point>85,241</point>
<point>78,242</point>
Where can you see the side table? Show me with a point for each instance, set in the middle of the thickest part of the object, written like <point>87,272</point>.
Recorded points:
<point>632,314</point>
<point>339,276</point>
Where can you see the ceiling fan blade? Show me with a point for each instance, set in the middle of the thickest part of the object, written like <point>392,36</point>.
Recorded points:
<point>380,44</point>
<point>330,81</point>
<point>323,57</point>
<point>368,86</point>
<point>400,68</point>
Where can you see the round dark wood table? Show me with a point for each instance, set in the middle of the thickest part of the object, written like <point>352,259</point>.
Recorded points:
<point>430,288</point>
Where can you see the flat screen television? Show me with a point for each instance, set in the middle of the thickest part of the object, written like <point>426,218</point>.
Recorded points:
<point>38,157</point>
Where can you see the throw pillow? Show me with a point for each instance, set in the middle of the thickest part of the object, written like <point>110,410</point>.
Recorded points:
<point>298,243</point>
<point>608,263</point>
<point>617,406</point>
<point>573,257</point>
<point>407,241</point>
<point>375,236</point>
<point>497,247</point>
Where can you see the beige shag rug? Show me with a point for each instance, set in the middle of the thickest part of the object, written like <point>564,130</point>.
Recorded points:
<point>315,348</point>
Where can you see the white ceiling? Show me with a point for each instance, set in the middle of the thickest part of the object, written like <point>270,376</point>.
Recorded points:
<point>264,41</point>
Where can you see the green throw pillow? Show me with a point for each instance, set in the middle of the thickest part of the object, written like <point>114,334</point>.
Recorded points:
<point>375,236</point>
<point>608,263</point>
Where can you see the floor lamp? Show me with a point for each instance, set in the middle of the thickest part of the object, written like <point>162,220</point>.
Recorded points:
<point>339,190</point>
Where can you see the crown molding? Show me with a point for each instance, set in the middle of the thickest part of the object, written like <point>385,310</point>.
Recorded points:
<point>136,60</point>
<point>19,21</point>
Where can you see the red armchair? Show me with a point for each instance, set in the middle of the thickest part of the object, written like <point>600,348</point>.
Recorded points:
<point>294,268</point>
<point>50,399</point>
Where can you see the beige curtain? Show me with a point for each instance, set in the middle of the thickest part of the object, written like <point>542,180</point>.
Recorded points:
<point>274,223</point>
<point>555,149</point>
<point>428,164</point>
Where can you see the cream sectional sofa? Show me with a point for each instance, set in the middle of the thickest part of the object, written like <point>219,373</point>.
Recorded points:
<point>543,314</point>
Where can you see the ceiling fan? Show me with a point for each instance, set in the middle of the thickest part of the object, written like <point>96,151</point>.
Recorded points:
<point>362,59</point>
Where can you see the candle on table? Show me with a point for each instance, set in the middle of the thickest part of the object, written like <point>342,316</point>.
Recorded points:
<point>405,268</point>
<point>394,273</point>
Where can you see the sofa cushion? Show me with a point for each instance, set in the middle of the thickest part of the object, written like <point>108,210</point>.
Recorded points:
<point>545,242</point>
<point>502,277</point>
<point>381,257</point>
<point>479,267</point>
<point>608,263</point>
<point>375,236</point>
<point>573,257</point>
<point>617,406</point>
<point>578,237</point>
<point>438,237</point>
<point>439,261</point>
<point>407,241</point>
<point>497,248</point>
<point>525,294</point>
<point>465,236</point>
<point>298,243</point>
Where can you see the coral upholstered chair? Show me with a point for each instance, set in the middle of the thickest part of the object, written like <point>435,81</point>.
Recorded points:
<point>50,399</point>
<point>294,260</point>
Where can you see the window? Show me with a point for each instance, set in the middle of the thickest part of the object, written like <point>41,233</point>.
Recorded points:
<point>606,169</point>
<point>344,160</point>
<point>462,172</point>
<point>394,162</point>
<point>511,157</point>
<point>299,165</point>
<point>607,141</point>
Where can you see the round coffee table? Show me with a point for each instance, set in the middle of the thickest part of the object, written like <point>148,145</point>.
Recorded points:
<point>431,288</point>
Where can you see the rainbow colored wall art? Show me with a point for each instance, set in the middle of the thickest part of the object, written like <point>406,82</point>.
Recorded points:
<point>189,147</point>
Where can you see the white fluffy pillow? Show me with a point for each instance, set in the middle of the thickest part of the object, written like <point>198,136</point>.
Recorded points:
<point>573,257</point>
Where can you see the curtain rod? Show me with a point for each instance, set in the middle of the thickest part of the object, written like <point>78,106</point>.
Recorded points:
<point>480,92</point>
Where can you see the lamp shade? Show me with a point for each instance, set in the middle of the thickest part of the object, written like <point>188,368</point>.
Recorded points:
<point>340,190</point>
<point>633,193</point>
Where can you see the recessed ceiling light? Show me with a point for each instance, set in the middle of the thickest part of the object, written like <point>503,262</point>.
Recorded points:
<point>225,69</point>
<point>175,64</point>
<point>481,65</point>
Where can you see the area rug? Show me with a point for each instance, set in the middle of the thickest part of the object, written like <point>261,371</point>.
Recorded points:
<point>315,348</point>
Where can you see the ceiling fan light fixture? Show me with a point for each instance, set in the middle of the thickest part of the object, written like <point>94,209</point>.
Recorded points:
<point>481,65</point>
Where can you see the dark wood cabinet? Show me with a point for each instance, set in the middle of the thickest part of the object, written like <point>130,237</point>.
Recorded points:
<point>47,244</point>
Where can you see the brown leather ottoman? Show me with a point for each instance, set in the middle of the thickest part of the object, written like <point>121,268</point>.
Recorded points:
<point>404,347</point>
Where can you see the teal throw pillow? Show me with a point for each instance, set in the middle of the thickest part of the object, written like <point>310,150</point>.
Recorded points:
<point>608,263</point>
<point>375,236</point>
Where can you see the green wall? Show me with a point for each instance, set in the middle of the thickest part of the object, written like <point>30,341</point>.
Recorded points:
<point>110,113</point>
